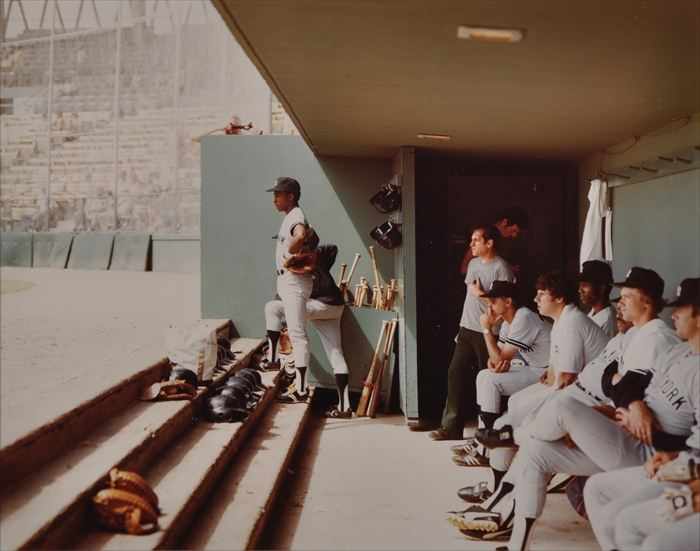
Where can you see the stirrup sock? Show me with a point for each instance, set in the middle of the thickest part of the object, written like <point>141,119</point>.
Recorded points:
<point>341,381</point>
<point>502,491</point>
<point>522,534</point>
<point>489,418</point>
<point>272,338</point>
<point>497,476</point>
<point>301,372</point>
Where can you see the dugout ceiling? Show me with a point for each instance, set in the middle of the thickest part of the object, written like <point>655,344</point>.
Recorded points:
<point>361,78</point>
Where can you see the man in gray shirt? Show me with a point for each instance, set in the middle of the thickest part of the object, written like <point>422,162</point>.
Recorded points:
<point>470,354</point>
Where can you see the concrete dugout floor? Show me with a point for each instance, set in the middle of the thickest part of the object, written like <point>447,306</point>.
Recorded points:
<point>373,484</point>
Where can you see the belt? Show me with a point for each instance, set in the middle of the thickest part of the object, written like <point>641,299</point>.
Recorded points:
<point>583,388</point>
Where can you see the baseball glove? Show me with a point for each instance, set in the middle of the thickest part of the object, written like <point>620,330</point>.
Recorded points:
<point>302,263</point>
<point>125,512</point>
<point>134,483</point>
<point>169,390</point>
<point>682,469</point>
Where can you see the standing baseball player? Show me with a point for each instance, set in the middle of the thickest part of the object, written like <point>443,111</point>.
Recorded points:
<point>594,285</point>
<point>470,354</point>
<point>324,309</point>
<point>294,289</point>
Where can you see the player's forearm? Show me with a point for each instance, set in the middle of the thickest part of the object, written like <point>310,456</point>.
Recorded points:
<point>564,379</point>
<point>492,346</point>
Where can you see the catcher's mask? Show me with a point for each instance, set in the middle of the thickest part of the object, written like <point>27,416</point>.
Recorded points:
<point>387,199</point>
<point>226,409</point>
<point>388,234</point>
<point>240,383</point>
<point>252,376</point>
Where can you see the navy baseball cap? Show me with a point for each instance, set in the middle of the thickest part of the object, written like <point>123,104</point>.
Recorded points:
<point>688,293</point>
<point>502,289</point>
<point>645,279</point>
<point>286,184</point>
<point>597,272</point>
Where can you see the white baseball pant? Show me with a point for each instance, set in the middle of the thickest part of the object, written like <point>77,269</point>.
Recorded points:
<point>606,494</point>
<point>602,445</point>
<point>491,386</point>
<point>641,527</point>
<point>522,407</point>
<point>295,290</point>
<point>548,424</point>
<point>326,319</point>
<point>523,403</point>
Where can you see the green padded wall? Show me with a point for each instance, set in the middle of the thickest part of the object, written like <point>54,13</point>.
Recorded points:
<point>91,251</point>
<point>16,249</point>
<point>239,222</point>
<point>130,251</point>
<point>51,250</point>
<point>656,224</point>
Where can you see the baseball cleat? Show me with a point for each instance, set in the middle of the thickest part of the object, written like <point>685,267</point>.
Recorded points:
<point>485,521</point>
<point>475,494</point>
<point>293,396</point>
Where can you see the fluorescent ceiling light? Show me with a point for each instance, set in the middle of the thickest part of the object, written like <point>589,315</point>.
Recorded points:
<point>490,34</point>
<point>443,137</point>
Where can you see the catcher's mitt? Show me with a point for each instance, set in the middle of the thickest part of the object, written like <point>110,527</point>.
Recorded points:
<point>134,483</point>
<point>169,390</point>
<point>302,263</point>
<point>126,512</point>
<point>682,469</point>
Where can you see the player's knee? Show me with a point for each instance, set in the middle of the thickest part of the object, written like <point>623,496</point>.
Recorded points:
<point>624,525</point>
<point>592,491</point>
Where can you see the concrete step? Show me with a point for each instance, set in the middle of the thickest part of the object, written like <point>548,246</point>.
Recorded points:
<point>182,478</point>
<point>46,508</point>
<point>237,512</point>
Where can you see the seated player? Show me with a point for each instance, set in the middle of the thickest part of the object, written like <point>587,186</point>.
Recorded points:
<point>594,285</point>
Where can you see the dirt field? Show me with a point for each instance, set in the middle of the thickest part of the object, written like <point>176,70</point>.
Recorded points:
<point>67,335</point>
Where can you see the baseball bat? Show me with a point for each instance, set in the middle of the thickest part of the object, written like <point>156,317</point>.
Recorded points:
<point>352,268</point>
<point>377,281</point>
<point>377,389</point>
<point>343,268</point>
<point>367,387</point>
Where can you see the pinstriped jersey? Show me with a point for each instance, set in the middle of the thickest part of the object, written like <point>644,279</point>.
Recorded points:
<point>530,335</point>
<point>674,391</point>
<point>650,342</point>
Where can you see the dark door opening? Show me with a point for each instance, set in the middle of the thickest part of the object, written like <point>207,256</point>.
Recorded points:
<point>453,195</point>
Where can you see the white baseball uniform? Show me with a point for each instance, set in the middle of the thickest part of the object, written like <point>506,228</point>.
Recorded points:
<point>602,445</point>
<point>606,320</point>
<point>575,340</point>
<point>293,289</point>
<point>326,319</point>
<point>587,389</point>
<point>529,334</point>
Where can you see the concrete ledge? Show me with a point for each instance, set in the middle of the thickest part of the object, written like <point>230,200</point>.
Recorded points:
<point>238,511</point>
<point>53,507</point>
<point>183,477</point>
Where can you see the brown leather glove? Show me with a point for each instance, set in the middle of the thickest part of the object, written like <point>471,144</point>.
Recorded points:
<point>125,512</point>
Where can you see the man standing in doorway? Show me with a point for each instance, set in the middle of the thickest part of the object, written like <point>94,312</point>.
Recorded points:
<point>293,289</point>
<point>470,354</point>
